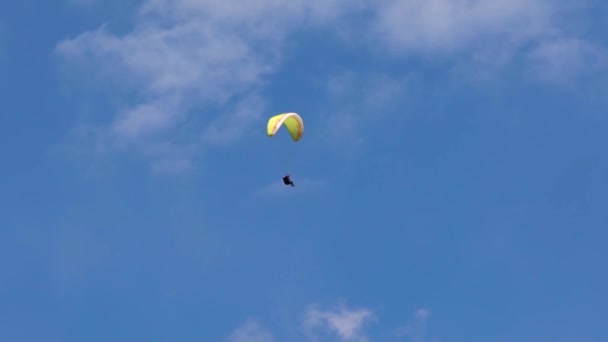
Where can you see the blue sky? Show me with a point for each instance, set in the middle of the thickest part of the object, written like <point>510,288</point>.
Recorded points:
<point>450,186</point>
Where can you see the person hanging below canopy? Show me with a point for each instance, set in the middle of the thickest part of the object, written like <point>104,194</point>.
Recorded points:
<point>287,180</point>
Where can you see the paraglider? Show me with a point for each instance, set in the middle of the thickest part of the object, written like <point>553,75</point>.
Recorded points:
<point>294,125</point>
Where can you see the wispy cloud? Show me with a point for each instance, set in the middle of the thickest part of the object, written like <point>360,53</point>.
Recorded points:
<point>448,26</point>
<point>474,34</point>
<point>187,62</point>
<point>355,99</point>
<point>196,69</point>
<point>232,124</point>
<point>179,73</point>
<point>565,59</point>
<point>375,92</point>
<point>251,331</point>
<point>345,323</point>
<point>338,323</point>
<point>416,330</point>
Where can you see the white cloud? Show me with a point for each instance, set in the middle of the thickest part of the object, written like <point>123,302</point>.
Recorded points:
<point>355,99</point>
<point>232,124</point>
<point>374,91</point>
<point>340,323</point>
<point>416,330</point>
<point>454,25</point>
<point>423,314</point>
<point>564,59</point>
<point>251,331</point>
<point>196,68</point>
<point>482,37</point>
<point>185,61</point>
<point>345,323</point>
<point>145,119</point>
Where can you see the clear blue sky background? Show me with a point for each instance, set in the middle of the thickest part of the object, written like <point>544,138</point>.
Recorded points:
<point>450,186</point>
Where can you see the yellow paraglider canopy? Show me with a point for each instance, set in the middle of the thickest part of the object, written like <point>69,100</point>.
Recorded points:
<point>292,121</point>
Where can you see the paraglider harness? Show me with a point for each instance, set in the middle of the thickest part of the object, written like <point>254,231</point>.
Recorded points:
<point>287,180</point>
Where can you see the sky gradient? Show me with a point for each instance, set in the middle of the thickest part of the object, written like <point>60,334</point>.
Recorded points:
<point>451,184</point>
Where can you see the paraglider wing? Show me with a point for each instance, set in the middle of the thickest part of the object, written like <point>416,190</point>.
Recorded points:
<point>292,121</point>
